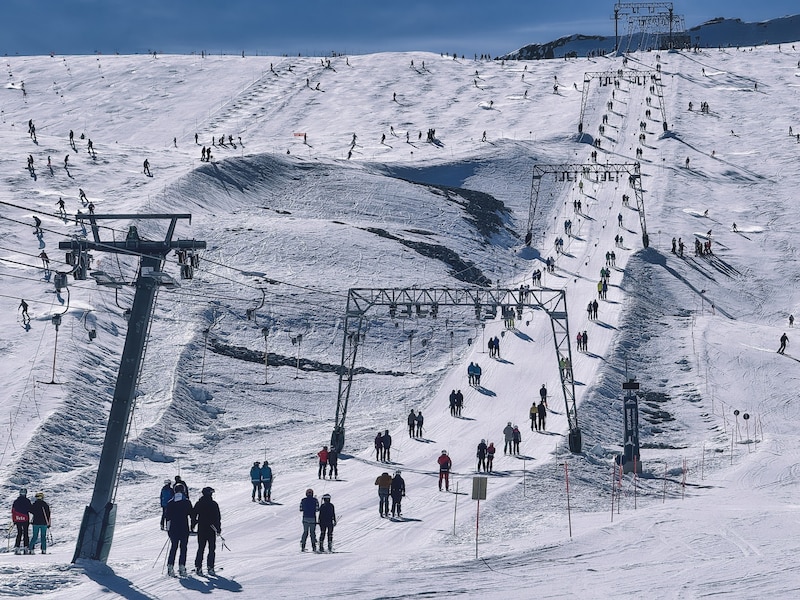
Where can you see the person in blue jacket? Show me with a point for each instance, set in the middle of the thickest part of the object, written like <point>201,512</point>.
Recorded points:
<point>166,496</point>
<point>179,511</point>
<point>255,479</point>
<point>309,506</point>
<point>266,481</point>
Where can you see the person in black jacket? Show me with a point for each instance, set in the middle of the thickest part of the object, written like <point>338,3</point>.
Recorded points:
<point>327,521</point>
<point>209,523</point>
<point>41,522</point>
<point>397,491</point>
<point>179,509</point>
<point>20,514</point>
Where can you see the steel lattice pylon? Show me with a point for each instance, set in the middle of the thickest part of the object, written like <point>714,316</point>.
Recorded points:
<point>428,301</point>
<point>632,76</point>
<point>596,172</point>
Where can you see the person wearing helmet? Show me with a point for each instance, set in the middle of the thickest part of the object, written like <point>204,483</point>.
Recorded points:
<point>481,455</point>
<point>255,479</point>
<point>20,514</point>
<point>41,522</point>
<point>179,510</point>
<point>207,519</point>
<point>323,463</point>
<point>327,521</point>
<point>309,506</point>
<point>398,491</point>
<point>384,483</point>
<point>444,470</point>
<point>166,496</point>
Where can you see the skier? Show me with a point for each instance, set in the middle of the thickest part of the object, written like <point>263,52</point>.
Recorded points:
<point>37,225</point>
<point>266,480</point>
<point>508,433</point>
<point>471,373</point>
<point>41,522</point>
<point>784,341</point>
<point>543,393</point>
<point>516,437</point>
<point>333,463</point>
<point>398,492</point>
<point>542,410</point>
<point>327,521</point>
<point>62,209</point>
<point>146,167</point>
<point>585,341</point>
<point>82,196</point>
<point>496,351</point>
<point>791,320</point>
<point>533,412</point>
<point>444,470</point>
<point>384,483</point>
<point>490,450</point>
<point>309,506</point>
<point>386,455</point>
<point>255,479</point>
<point>459,402</point>
<point>180,481</point>
<point>594,308</point>
<point>378,446</point>
<point>481,454</point>
<point>323,462</point>
<point>619,219</point>
<point>490,345</point>
<point>477,374</point>
<point>412,423</point>
<point>165,497</point>
<point>20,515</point>
<point>24,306</point>
<point>179,510</point>
<point>453,403</point>
<point>420,422</point>
<point>207,519</point>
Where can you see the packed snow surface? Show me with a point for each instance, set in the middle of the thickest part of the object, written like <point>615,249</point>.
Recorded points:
<point>327,181</point>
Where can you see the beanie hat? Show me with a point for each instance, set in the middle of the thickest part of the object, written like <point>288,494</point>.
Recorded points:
<point>309,492</point>
<point>23,492</point>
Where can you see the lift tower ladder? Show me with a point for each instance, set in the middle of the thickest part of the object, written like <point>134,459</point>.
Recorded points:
<point>99,517</point>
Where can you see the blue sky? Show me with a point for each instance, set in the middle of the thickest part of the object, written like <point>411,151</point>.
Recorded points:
<point>319,27</point>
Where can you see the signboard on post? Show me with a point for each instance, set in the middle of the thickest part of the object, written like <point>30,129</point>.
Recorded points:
<point>478,493</point>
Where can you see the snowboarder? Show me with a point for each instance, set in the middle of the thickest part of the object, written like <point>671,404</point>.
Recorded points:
<point>327,521</point>
<point>490,450</point>
<point>444,470</point>
<point>309,506</point>
<point>20,515</point>
<point>323,462</point>
<point>255,479</point>
<point>420,422</point>
<point>266,480</point>
<point>398,492</point>
<point>384,483</point>
<point>481,454</point>
<point>165,497</point>
<point>179,510</point>
<point>508,434</point>
<point>41,522</point>
<point>207,520</point>
<point>784,341</point>
<point>333,464</point>
<point>412,423</point>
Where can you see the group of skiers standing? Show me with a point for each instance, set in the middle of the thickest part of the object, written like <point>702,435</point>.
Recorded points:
<point>415,422</point>
<point>23,513</point>
<point>474,374</point>
<point>328,463</point>
<point>394,487</point>
<point>261,478</point>
<point>383,446</point>
<point>177,512</point>
<point>309,507</point>
<point>456,403</point>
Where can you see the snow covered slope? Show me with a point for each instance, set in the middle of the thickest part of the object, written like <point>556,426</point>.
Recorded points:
<point>297,211</point>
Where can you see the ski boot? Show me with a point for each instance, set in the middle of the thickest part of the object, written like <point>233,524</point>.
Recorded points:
<point>182,570</point>
<point>199,571</point>
<point>211,572</point>
<point>170,571</point>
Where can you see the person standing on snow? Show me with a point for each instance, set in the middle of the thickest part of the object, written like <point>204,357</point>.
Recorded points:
<point>179,510</point>
<point>327,521</point>
<point>386,441</point>
<point>508,434</point>
<point>412,423</point>
<point>208,521</point>
<point>420,422</point>
<point>20,515</point>
<point>333,463</point>
<point>398,492</point>
<point>481,454</point>
<point>542,411</point>
<point>323,462</point>
<point>533,414</point>
<point>445,464</point>
<point>255,479</point>
<point>309,506</point>
<point>378,446</point>
<point>384,483</point>
<point>266,481</point>
<point>516,436</point>
<point>490,450</point>
<point>166,496</point>
<point>41,522</point>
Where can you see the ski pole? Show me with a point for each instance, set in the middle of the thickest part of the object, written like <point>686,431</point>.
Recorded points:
<point>160,553</point>
<point>222,539</point>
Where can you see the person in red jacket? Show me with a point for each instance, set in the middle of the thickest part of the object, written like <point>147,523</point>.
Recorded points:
<point>323,463</point>
<point>444,470</point>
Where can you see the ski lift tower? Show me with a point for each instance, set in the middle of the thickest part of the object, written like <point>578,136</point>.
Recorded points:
<point>97,526</point>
